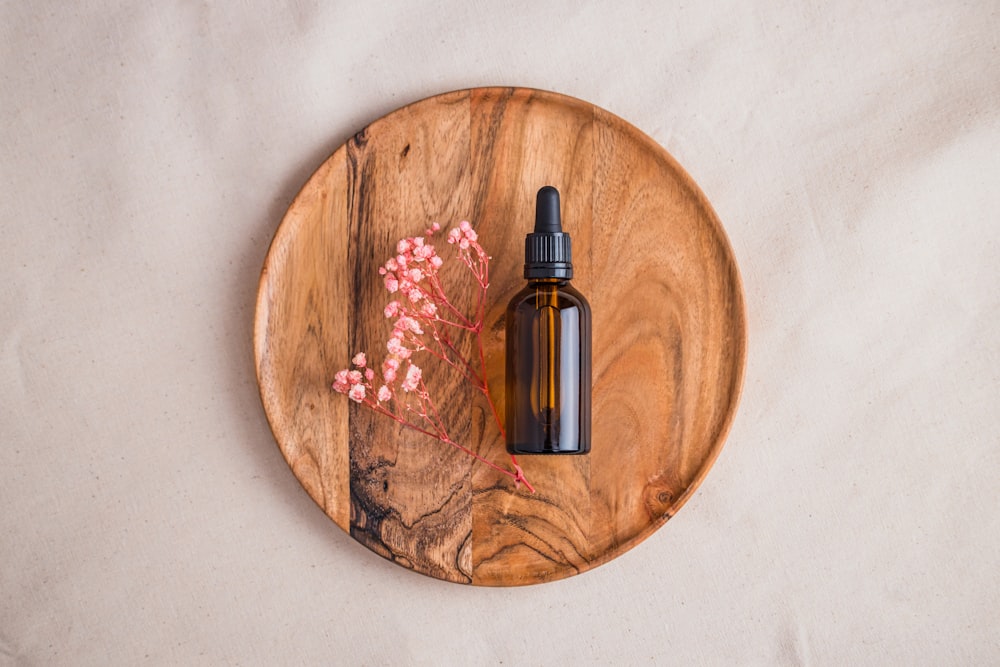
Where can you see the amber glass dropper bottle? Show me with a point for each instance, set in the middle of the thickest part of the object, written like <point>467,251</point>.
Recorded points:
<point>548,345</point>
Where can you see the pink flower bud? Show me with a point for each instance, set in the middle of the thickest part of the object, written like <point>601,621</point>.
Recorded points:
<point>391,283</point>
<point>369,374</point>
<point>396,348</point>
<point>412,380</point>
<point>340,383</point>
<point>354,377</point>
<point>384,394</point>
<point>357,393</point>
<point>436,262</point>
<point>464,226</point>
<point>359,360</point>
<point>391,309</point>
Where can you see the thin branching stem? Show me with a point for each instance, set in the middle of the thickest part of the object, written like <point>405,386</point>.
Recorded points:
<point>424,317</point>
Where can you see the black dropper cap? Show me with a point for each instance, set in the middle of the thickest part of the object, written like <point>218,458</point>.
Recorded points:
<point>547,251</point>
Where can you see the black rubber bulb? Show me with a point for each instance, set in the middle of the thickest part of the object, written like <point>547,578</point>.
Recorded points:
<point>547,219</point>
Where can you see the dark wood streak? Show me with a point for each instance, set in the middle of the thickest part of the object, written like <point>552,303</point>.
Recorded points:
<point>458,563</point>
<point>498,556</point>
<point>417,536</point>
<point>435,511</point>
<point>368,510</point>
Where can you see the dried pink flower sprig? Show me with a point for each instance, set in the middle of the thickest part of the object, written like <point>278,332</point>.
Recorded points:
<point>426,320</point>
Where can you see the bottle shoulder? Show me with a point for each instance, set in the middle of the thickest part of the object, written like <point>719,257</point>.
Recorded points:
<point>563,296</point>
<point>576,295</point>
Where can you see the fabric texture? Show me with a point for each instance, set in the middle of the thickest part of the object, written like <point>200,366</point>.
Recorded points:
<point>852,151</point>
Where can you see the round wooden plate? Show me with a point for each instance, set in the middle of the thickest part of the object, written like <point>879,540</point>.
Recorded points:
<point>668,348</point>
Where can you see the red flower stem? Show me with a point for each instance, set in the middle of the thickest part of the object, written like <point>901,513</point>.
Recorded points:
<point>444,344</point>
<point>442,299</point>
<point>450,323</point>
<point>427,420</point>
<point>513,475</point>
<point>438,297</point>
<point>486,387</point>
<point>425,398</point>
<point>519,476</point>
<point>472,376</point>
<point>400,420</point>
<point>444,437</point>
<point>431,423</point>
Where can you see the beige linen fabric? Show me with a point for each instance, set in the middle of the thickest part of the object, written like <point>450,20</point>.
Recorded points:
<point>851,149</point>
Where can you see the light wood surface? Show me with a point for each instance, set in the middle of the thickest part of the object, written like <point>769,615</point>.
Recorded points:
<point>668,346</point>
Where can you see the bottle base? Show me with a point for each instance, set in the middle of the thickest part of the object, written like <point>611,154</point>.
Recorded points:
<point>532,449</point>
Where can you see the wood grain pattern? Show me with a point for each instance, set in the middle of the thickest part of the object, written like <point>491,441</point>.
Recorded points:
<point>669,335</point>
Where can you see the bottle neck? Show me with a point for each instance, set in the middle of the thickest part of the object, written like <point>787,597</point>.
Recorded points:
<point>543,282</point>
